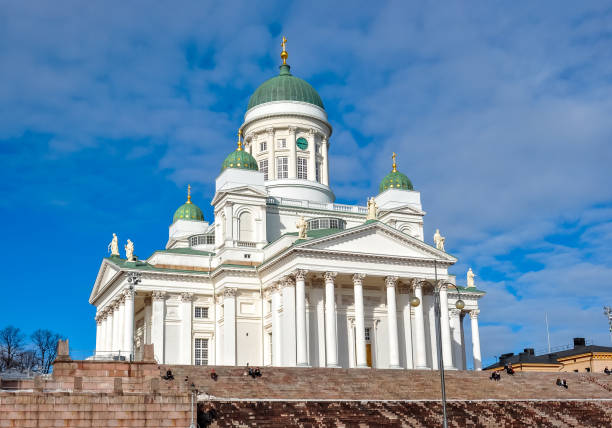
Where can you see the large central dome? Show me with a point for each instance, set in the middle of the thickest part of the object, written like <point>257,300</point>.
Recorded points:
<point>285,87</point>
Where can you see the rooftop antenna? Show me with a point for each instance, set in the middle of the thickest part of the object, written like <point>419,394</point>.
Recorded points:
<point>547,332</point>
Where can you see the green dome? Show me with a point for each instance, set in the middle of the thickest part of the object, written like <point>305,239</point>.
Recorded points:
<point>188,211</point>
<point>395,180</point>
<point>285,87</point>
<point>240,159</point>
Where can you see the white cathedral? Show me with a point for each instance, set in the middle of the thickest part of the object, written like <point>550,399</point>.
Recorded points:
<point>284,276</point>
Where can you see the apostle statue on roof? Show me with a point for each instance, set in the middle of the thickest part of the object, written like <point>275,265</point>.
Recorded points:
<point>470,278</point>
<point>129,251</point>
<point>372,209</point>
<point>113,247</point>
<point>439,240</point>
<point>301,226</point>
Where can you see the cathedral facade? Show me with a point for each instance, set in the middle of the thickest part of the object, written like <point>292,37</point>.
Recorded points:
<point>283,275</point>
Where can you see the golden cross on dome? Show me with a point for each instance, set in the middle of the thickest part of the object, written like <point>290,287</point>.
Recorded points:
<point>284,53</point>
<point>189,193</point>
<point>394,165</point>
<point>239,142</point>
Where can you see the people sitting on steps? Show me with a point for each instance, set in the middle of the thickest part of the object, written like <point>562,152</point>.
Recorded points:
<point>213,375</point>
<point>607,371</point>
<point>559,383</point>
<point>564,384</point>
<point>495,376</point>
<point>509,369</point>
<point>168,376</point>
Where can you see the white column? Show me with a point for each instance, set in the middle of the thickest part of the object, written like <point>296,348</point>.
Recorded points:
<point>430,305</point>
<point>300,317</point>
<point>99,327</point>
<point>420,361</point>
<point>121,325</point>
<point>116,326</point>
<point>128,323</point>
<point>267,346</point>
<point>317,294</point>
<point>292,153</point>
<point>289,327</point>
<point>390,282</point>
<point>476,339</point>
<point>463,359</point>
<point>229,326</point>
<point>324,166</point>
<point>157,325</point>
<point>360,343</point>
<point>271,154</point>
<point>218,336</point>
<point>447,350</point>
<point>276,326</point>
<point>147,320</point>
<point>330,320</point>
<point>312,157</point>
<point>455,324</point>
<point>405,306</point>
<point>185,354</point>
<point>108,334</point>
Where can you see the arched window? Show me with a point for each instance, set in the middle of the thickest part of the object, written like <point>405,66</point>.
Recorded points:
<point>246,229</point>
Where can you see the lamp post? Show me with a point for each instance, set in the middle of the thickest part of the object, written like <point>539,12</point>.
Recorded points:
<point>459,304</point>
<point>608,314</point>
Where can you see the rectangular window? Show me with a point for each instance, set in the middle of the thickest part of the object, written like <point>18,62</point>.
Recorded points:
<point>367,334</point>
<point>210,239</point>
<point>201,312</point>
<point>263,146</point>
<point>282,167</point>
<point>263,167</point>
<point>317,148</point>
<point>318,171</point>
<point>282,143</point>
<point>302,168</point>
<point>201,352</point>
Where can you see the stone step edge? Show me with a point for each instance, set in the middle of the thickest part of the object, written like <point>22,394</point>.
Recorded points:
<point>202,397</point>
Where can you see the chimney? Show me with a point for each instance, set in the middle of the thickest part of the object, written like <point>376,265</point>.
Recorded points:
<point>578,342</point>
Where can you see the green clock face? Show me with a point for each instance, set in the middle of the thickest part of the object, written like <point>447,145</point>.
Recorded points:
<point>302,143</point>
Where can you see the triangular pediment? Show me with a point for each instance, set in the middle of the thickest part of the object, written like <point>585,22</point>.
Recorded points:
<point>106,274</point>
<point>379,239</point>
<point>405,209</point>
<point>240,190</point>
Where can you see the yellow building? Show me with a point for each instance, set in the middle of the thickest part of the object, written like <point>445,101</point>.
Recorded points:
<point>580,358</point>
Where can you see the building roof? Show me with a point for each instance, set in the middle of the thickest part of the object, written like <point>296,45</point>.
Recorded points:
<point>285,87</point>
<point>188,211</point>
<point>395,180</point>
<point>240,159</point>
<point>528,356</point>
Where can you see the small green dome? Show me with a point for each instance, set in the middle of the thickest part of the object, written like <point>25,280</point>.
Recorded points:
<point>285,87</point>
<point>188,211</point>
<point>240,159</point>
<point>395,180</point>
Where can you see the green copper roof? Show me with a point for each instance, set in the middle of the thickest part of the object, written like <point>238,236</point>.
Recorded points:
<point>285,87</point>
<point>395,180</point>
<point>188,211</point>
<point>240,159</point>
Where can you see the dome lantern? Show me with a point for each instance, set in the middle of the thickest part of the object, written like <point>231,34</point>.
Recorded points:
<point>189,210</point>
<point>395,179</point>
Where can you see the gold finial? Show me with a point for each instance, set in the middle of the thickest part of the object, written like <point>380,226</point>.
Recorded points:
<point>284,53</point>
<point>394,165</point>
<point>189,193</point>
<point>239,142</point>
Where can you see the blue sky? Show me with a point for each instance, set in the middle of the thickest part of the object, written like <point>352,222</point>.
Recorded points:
<point>500,115</point>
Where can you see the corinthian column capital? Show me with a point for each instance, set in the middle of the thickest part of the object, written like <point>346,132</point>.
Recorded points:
<point>358,278</point>
<point>329,276</point>
<point>230,292</point>
<point>474,313</point>
<point>158,296</point>
<point>391,281</point>
<point>300,274</point>
<point>186,297</point>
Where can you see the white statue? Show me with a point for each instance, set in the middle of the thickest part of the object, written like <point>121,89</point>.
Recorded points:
<point>470,278</point>
<point>439,240</point>
<point>301,226</point>
<point>129,251</point>
<point>113,247</point>
<point>372,209</point>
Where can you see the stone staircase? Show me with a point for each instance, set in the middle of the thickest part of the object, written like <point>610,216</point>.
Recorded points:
<point>411,414</point>
<point>371,384</point>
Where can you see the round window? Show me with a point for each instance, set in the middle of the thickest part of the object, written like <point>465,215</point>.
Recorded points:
<point>302,143</point>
